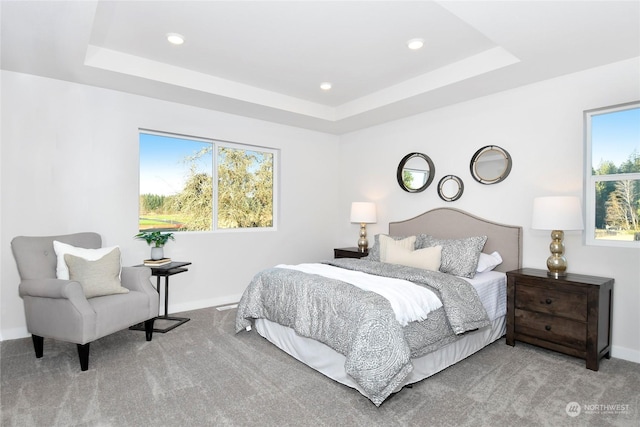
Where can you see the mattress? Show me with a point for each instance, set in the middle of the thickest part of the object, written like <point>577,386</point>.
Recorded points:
<point>491,287</point>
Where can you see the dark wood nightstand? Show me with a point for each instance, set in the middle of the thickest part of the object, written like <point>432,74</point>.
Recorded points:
<point>349,253</point>
<point>571,314</point>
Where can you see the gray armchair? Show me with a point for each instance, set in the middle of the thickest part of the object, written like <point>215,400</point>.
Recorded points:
<point>58,309</point>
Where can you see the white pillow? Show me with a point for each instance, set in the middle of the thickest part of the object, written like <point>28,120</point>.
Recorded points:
<point>426,258</point>
<point>488,262</point>
<point>62,271</point>
<point>386,242</point>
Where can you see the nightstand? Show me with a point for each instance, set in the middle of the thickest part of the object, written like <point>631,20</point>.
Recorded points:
<point>571,314</point>
<point>349,253</point>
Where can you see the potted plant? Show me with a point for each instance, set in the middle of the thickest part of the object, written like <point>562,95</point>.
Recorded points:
<point>155,239</point>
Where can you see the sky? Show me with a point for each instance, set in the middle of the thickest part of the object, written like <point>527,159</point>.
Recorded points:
<point>614,136</point>
<point>163,169</point>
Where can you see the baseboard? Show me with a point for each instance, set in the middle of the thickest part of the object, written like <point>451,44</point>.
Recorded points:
<point>197,305</point>
<point>14,334</point>
<point>625,353</point>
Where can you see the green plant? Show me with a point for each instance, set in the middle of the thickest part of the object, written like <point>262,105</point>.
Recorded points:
<point>158,238</point>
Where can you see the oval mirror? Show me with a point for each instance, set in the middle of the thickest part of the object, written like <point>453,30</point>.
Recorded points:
<point>490,164</point>
<point>450,188</point>
<point>415,172</point>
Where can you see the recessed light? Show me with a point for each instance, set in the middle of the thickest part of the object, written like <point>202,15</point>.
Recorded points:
<point>175,38</point>
<point>325,86</point>
<point>415,44</point>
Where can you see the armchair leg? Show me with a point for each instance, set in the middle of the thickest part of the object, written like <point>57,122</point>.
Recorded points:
<point>38,345</point>
<point>83,352</point>
<point>148,328</point>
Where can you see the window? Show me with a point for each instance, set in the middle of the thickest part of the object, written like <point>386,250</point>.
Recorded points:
<point>198,184</point>
<point>612,175</point>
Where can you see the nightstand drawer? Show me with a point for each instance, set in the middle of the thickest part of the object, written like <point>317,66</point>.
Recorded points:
<point>566,304</point>
<point>549,328</point>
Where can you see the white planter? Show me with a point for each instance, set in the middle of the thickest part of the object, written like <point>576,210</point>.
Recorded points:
<point>157,253</point>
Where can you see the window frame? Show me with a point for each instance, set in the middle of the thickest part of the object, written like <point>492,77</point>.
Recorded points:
<point>215,144</point>
<point>590,179</point>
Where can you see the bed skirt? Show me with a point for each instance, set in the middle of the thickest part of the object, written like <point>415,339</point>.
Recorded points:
<point>329,362</point>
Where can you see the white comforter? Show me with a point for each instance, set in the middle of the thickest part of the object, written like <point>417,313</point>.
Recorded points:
<point>409,301</point>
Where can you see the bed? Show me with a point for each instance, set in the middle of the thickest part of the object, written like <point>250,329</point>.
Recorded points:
<point>311,317</point>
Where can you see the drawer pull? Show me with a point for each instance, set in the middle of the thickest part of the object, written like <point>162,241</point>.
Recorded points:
<point>547,301</point>
<point>547,328</point>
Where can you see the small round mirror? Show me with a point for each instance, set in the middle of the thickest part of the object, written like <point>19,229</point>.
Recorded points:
<point>450,188</point>
<point>490,164</point>
<point>415,172</point>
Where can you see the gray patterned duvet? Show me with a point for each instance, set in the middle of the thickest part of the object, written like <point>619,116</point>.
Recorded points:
<point>359,324</point>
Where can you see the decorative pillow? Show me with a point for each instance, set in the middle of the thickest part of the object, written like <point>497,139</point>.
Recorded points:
<point>374,251</point>
<point>488,262</point>
<point>459,256</point>
<point>99,277</point>
<point>387,243</point>
<point>62,272</point>
<point>427,258</point>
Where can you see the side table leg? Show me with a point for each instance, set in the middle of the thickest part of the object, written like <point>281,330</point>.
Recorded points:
<point>158,289</point>
<point>166,296</point>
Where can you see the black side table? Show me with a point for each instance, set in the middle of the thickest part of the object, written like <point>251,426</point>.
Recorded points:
<point>165,271</point>
<point>349,253</point>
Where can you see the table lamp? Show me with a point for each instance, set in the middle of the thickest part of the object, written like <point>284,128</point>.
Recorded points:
<point>363,213</point>
<point>557,213</point>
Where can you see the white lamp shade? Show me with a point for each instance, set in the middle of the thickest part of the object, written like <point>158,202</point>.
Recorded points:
<point>557,213</point>
<point>363,212</point>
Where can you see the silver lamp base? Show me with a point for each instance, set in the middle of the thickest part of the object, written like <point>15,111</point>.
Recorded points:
<point>363,243</point>
<point>557,263</point>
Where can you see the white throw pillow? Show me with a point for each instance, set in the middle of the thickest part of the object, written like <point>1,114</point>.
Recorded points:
<point>427,258</point>
<point>386,242</point>
<point>62,271</point>
<point>488,262</point>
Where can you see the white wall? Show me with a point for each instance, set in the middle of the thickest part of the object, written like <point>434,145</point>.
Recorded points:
<point>69,158</point>
<point>70,163</point>
<point>540,125</point>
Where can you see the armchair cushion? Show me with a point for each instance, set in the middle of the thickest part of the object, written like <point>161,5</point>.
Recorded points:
<point>97,278</point>
<point>61,249</point>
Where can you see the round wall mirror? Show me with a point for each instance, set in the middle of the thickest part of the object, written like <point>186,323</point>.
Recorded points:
<point>415,172</point>
<point>450,188</point>
<point>490,165</point>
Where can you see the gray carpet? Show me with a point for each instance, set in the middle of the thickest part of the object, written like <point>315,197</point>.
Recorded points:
<point>202,374</point>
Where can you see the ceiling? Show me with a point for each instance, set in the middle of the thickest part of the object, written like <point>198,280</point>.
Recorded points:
<point>266,59</point>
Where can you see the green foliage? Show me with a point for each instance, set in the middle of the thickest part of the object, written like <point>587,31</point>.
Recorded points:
<point>157,238</point>
<point>618,202</point>
<point>245,188</point>
<point>152,202</point>
<point>407,179</point>
<point>195,202</point>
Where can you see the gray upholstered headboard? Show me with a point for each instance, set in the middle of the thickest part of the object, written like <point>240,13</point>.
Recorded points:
<point>447,223</point>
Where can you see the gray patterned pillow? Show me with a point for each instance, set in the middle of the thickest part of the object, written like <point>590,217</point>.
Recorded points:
<point>374,251</point>
<point>459,256</point>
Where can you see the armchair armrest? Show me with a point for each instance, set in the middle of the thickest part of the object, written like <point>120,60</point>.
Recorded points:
<point>51,288</point>
<point>63,291</point>
<point>137,279</point>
